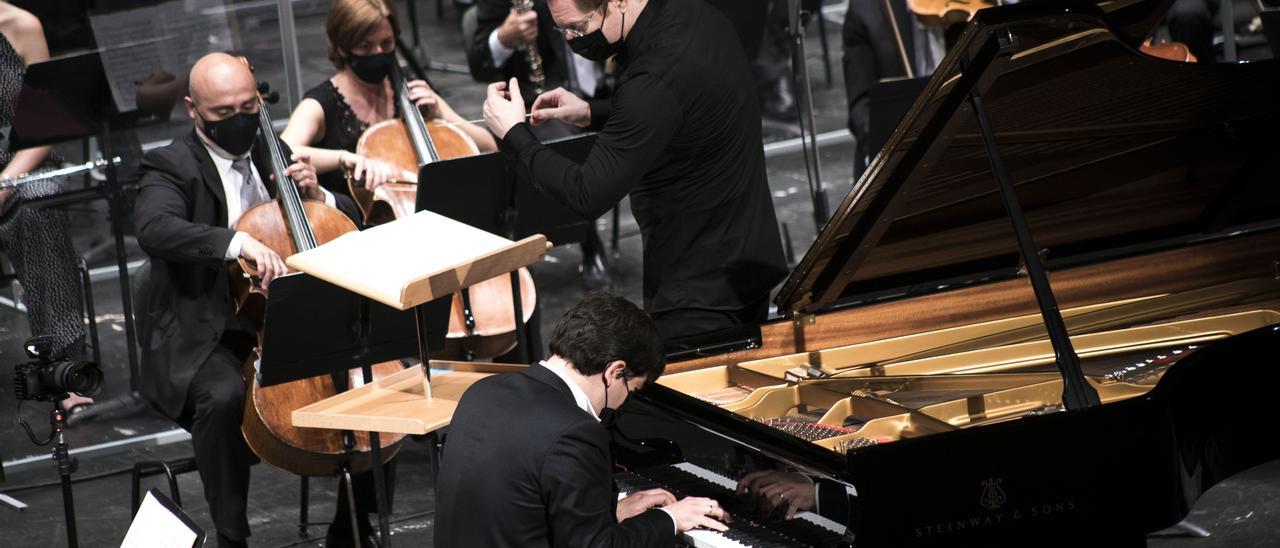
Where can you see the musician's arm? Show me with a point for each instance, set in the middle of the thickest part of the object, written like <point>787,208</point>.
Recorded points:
<point>644,116</point>
<point>161,222</point>
<point>306,126</point>
<point>575,482</point>
<point>26,34</point>
<point>480,58</point>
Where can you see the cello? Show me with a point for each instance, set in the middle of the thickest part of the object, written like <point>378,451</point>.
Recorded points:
<point>288,224</point>
<point>482,323</point>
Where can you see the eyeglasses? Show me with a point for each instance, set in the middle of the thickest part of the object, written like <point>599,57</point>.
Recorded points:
<point>579,29</point>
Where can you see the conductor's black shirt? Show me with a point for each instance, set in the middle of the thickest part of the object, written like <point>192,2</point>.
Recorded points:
<point>681,134</point>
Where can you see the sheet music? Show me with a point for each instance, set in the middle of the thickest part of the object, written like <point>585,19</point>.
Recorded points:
<point>156,527</point>
<point>169,36</point>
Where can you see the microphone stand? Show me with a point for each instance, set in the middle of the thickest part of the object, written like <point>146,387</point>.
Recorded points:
<point>808,126</point>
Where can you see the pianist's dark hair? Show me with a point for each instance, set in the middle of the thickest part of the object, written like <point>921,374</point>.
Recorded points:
<point>604,327</point>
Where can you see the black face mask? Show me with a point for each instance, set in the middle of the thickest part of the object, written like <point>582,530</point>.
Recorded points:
<point>234,134</point>
<point>608,415</point>
<point>372,69</point>
<point>594,46</point>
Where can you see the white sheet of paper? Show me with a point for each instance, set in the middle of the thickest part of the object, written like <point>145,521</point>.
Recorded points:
<point>156,527</point>
<point>168,36</point>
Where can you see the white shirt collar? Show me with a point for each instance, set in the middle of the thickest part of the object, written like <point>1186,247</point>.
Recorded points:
<point>579,396</point>
<point>231,179</point>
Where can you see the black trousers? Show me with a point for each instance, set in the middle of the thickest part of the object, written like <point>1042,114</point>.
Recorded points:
<point>214,409</point>
<point>213,414</point>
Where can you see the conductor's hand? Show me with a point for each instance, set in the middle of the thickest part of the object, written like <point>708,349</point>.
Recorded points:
<point>519,28</point>
<point>263,260</point>
<point>560,104</point>
<point>773,490</point>
<point>503,107</point>
<point>428,102</point>
<point>304,175</point>
<point>374,173</point>
<point>695,512</point>
<point>641,501</point>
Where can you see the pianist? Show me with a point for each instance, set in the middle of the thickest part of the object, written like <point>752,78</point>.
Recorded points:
<point>526,461</point>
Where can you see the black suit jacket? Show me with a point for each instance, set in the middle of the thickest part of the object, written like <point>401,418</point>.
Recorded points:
<point>551,45</point>
<point>184,306</point>
<point>524,466</point>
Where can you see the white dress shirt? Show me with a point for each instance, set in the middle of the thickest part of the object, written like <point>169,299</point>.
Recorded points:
<point>586,74</point>
<point>232,182</point>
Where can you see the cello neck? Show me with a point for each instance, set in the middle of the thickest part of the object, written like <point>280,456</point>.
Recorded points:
<point>413,122</point>
<point>295,217</point>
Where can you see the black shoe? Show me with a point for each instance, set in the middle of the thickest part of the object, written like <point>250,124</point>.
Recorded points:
<point>342,539</point>
<point>595,275</point>
<point>224,542</point>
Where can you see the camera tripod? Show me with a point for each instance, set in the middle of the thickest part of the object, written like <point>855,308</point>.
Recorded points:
<point>66,466</point>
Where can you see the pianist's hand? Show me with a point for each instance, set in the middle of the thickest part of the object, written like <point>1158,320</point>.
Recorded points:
<point>695,512</point>
<point>641,501</point>
<point>774,490</point>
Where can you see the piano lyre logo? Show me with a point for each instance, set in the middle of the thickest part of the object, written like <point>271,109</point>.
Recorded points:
<point>992,494</point>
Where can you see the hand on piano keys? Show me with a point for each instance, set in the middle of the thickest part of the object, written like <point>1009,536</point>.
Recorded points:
<point>773,490</point>
<point>697,513</point>
<point>745,527</point>
<point>639,502</point>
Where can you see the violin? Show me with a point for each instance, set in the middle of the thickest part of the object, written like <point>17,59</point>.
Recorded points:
<point>291,225</point>
<point>482,323</point>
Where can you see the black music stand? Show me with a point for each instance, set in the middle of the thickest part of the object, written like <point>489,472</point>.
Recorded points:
<point>414,265</point>
<point>316,328</point>
<point>69,98</point>
<point>499,197</point>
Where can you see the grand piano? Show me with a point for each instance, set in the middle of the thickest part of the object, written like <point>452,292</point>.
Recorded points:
<point>1049,313</point>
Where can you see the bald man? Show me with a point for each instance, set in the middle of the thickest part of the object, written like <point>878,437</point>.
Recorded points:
<point>193,347</point>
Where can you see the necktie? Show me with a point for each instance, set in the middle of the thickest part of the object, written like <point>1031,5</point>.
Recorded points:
<point>251,190</point>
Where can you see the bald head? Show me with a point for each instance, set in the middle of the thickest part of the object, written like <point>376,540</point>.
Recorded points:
<point>220,86</point>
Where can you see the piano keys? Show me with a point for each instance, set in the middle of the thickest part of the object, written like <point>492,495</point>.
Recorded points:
<point>914,363</point>
<point>746,527</point>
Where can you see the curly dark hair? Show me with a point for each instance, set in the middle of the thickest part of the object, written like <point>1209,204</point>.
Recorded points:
<point>604,327</point>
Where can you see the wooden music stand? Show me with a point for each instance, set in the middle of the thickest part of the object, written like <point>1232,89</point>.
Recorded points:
<point>405,264</point>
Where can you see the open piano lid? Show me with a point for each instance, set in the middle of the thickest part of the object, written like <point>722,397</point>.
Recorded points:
<point>1111,151</point>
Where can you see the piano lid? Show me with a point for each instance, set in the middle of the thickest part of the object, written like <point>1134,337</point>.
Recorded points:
<point>1111,152</point>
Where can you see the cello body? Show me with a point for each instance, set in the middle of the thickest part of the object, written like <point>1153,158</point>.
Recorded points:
<point>267,424</point>
<point>287,225</point>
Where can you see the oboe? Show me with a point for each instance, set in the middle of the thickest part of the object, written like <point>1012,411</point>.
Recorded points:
<point>531,54</point>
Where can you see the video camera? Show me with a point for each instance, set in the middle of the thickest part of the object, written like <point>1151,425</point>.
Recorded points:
<point>52,375</point>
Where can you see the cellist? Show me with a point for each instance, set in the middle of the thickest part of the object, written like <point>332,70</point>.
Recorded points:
<point>193,345</point>
<point>328,122</point>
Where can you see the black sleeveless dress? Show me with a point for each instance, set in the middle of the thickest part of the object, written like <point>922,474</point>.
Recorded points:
<point>35,240</point>
<point>342,130</point>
